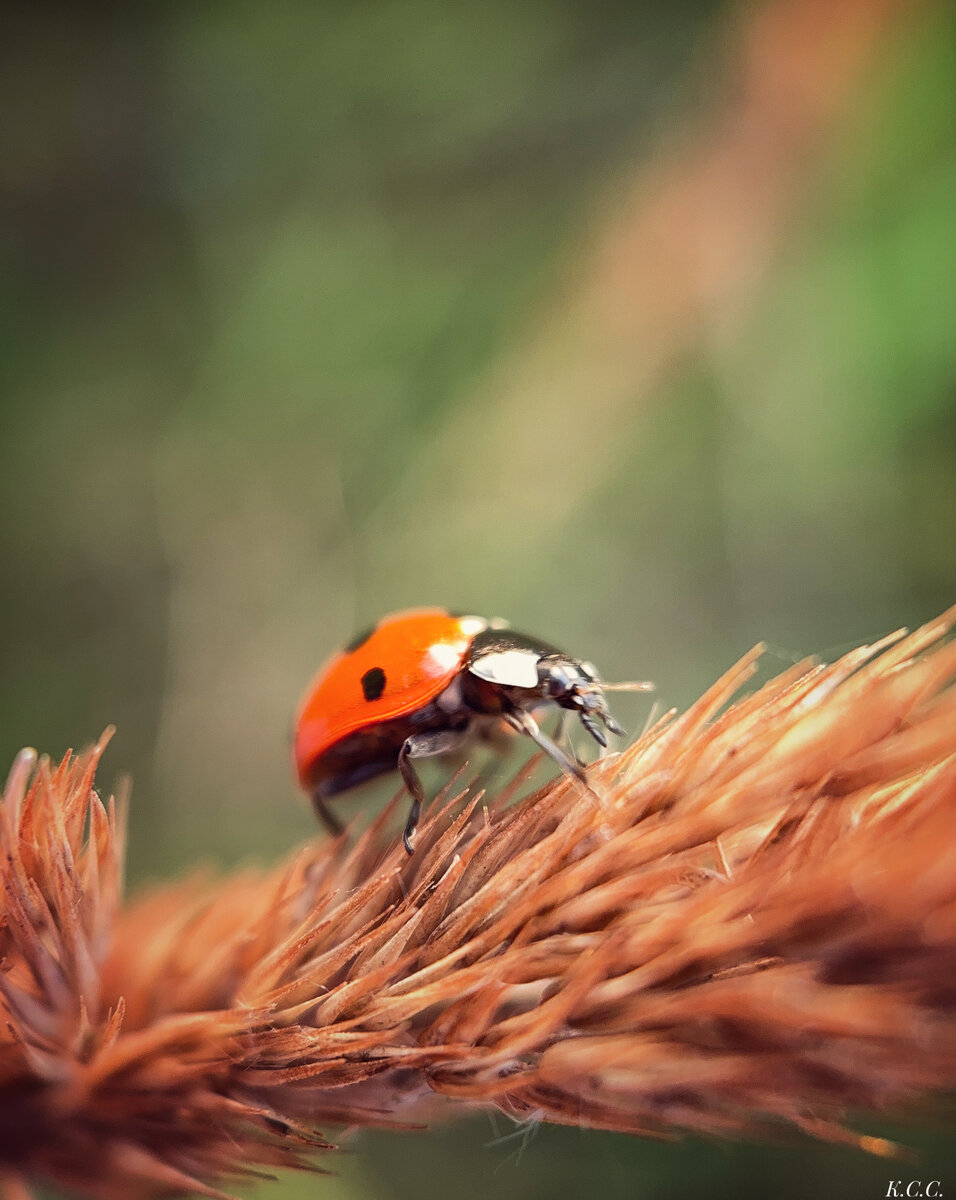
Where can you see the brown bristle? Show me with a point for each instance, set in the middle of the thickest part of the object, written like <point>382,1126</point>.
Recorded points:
<point>746,922</point>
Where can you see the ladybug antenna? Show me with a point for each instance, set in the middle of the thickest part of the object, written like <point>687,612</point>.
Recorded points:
<point>643,685</point>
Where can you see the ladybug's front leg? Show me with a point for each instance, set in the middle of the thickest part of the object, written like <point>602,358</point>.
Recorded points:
<point>561,738</point>
<point>525,723</point>
<point>422,745</point>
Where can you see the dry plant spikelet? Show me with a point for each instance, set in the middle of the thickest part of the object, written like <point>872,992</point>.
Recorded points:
<point>748,924</point>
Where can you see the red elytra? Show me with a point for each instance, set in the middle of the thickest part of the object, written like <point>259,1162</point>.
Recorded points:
<point>424,683</point>
<point>419,652</point>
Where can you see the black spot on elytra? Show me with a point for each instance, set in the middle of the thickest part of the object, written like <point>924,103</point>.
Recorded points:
<point>360,639</point>
<point>373,683</point>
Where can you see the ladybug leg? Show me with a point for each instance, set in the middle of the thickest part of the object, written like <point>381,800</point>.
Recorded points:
<point>525,723</point>
<point>414,785</point>
<point>421,745</point>
<point>561,738</point>
<point>325,814</point>
<point>591,725</point>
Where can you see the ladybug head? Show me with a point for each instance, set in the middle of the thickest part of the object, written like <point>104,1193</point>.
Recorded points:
<point>577,686</point>
<point>507,670</point>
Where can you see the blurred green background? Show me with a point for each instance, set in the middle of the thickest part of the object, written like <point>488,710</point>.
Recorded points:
<point>631,323</point>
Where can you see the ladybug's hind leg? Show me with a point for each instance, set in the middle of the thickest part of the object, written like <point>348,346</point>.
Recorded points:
<point>325,814</point>
<point>422,745</point>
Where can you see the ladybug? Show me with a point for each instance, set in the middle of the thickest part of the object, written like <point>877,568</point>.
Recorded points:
<point>424,683</point>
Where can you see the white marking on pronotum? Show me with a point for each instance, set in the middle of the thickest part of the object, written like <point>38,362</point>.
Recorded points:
<point>509,668</point>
